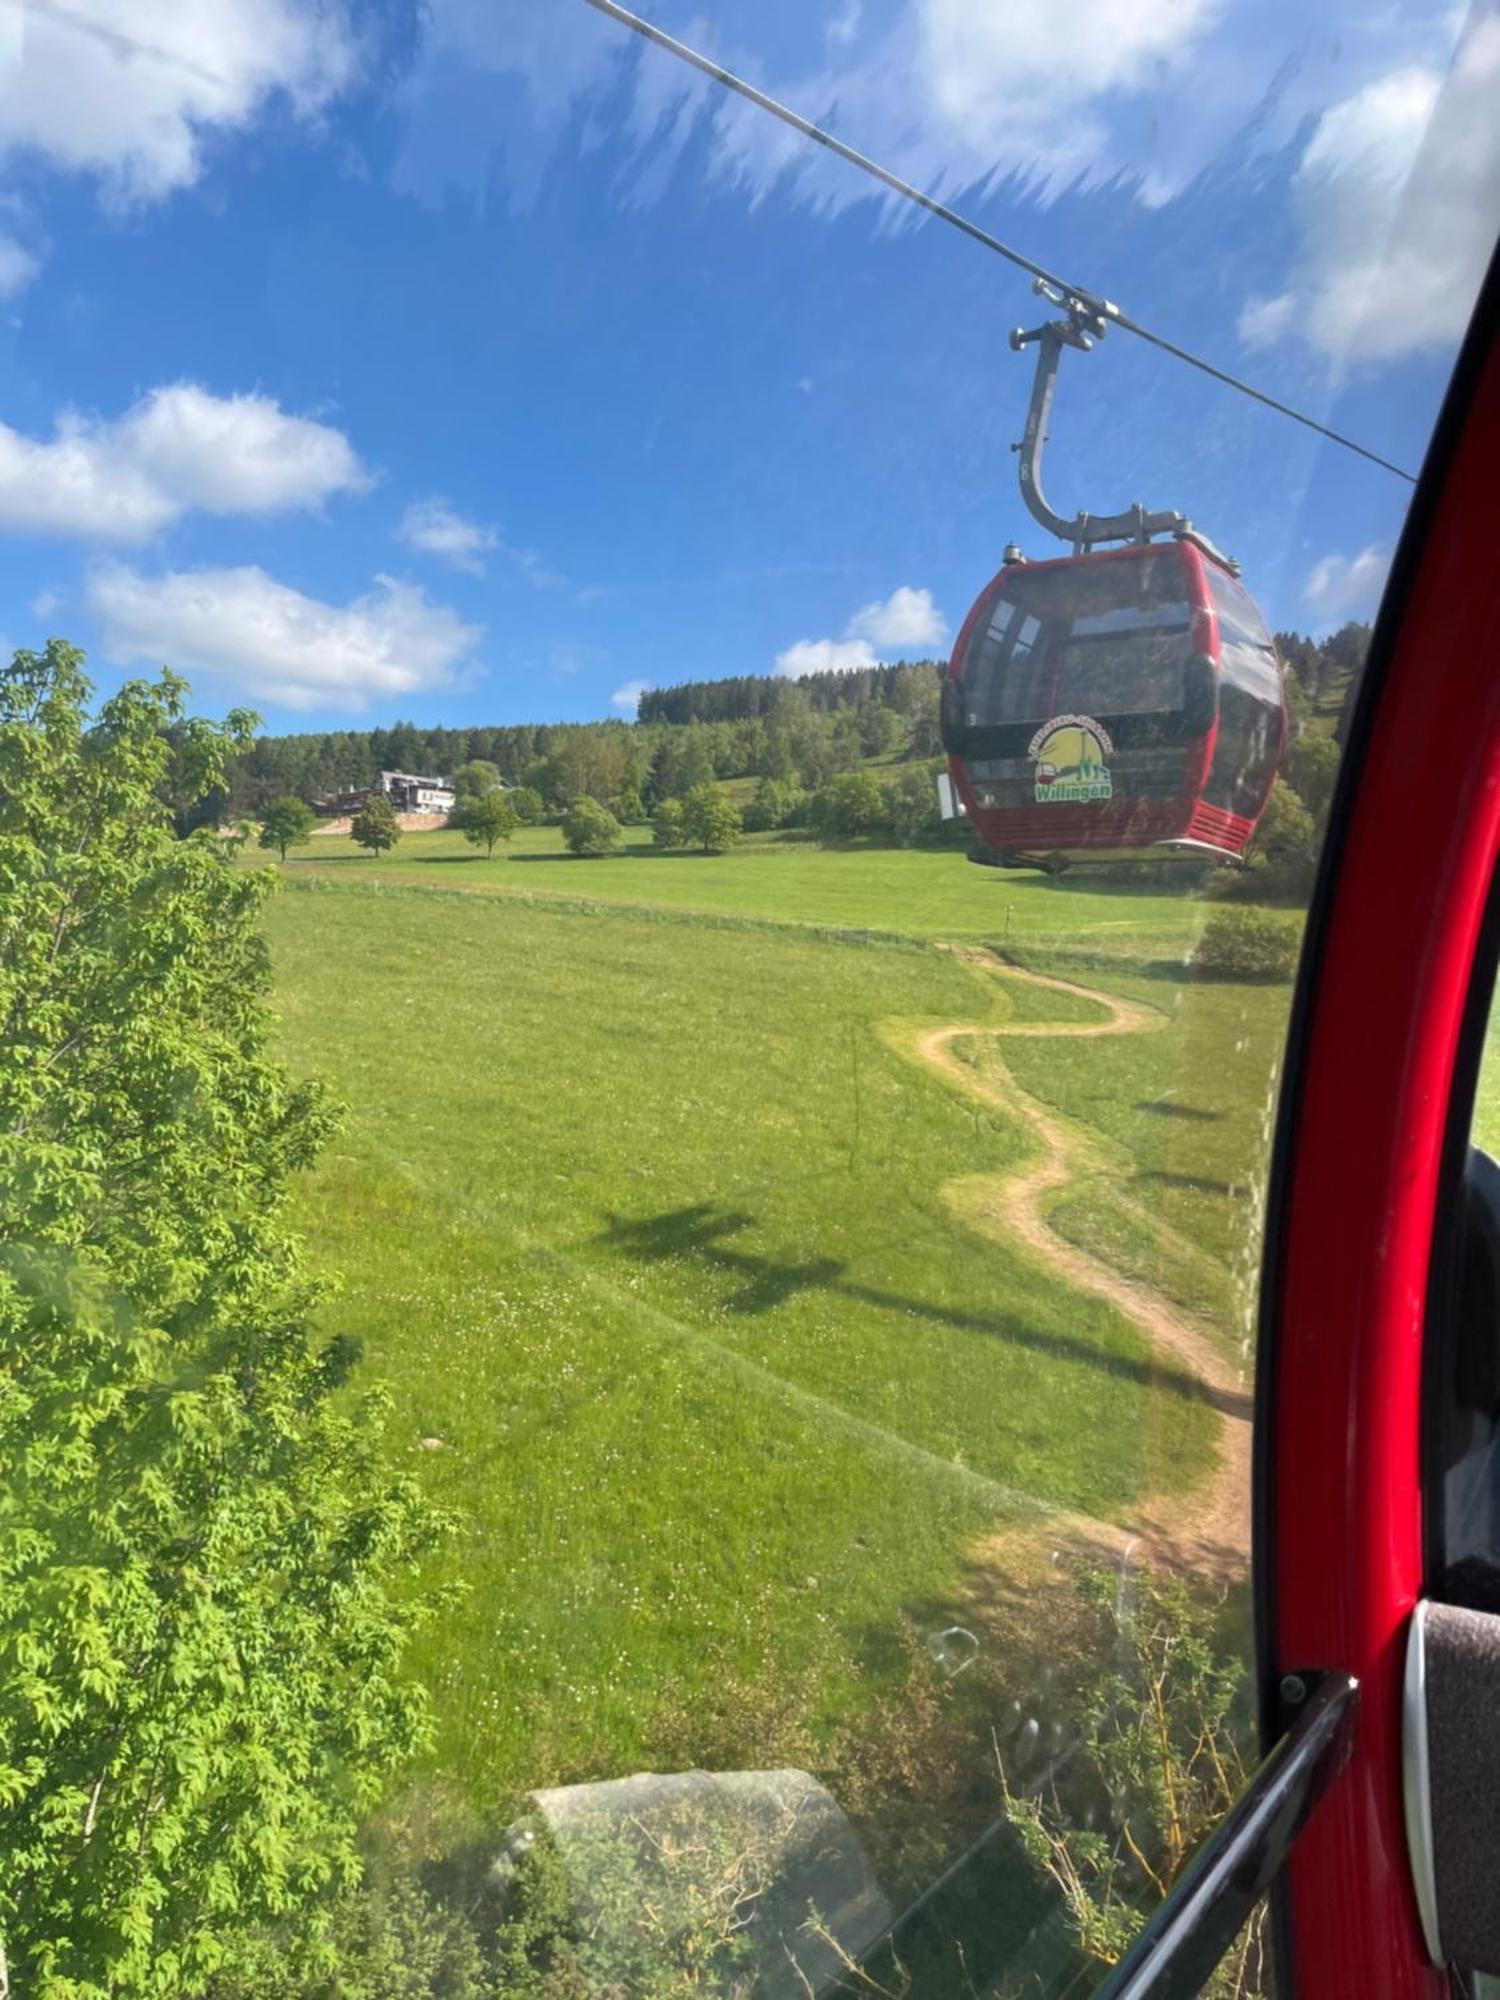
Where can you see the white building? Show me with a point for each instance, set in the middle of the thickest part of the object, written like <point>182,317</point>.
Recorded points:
<point>409,793</point>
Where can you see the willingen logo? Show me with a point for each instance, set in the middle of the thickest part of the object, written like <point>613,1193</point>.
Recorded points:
<point>1070,753</point>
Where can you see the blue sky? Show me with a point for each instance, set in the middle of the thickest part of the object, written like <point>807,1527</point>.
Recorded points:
<point>474,363</point>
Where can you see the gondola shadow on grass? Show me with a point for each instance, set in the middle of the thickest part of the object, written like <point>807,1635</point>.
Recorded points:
<point>706,1233</point>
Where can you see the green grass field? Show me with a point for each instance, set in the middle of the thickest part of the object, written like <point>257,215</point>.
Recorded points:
<point>924,892</point>
<point>1189,1112</point>
<point>641,1216</point>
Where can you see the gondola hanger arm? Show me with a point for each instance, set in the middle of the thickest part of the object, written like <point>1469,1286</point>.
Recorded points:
<point>1085,321</point>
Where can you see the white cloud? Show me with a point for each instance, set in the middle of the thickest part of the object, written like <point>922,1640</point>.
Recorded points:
<point>268,641</point>
<point>1265,321</point>
<point>17,267</point>
<point>825,656</point>
<point>178,448</point>
<point>627,697</point>
<point>1395,198</point>
<point>1342,587</point>
<point>1021,81</point>
<point>46,604</point>
<point>907,624</point>
<point>128,90</point>
<point>440,530</point>
<point>907,618</point>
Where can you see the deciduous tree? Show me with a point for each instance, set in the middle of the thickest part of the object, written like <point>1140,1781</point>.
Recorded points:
<point>590,828</point>
<point>201,1631</point>
<point>666,824</point>
<point>288,823</point>
<point>375,826</point>
<point>484,818</point>
<point>709,820</point>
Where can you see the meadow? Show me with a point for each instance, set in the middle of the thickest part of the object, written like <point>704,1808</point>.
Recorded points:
<point>918,891</point>
<point>644,1213</point>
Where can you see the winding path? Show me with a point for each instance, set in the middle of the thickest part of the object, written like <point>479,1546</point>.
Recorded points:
<point>1203,1532</point>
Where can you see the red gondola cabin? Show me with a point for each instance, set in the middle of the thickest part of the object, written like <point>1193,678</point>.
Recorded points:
<point>1114,702</point>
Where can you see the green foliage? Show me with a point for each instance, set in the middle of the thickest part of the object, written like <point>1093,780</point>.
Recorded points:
<point>880,731</point>
<point>684,759</point>
<point>848,806</point>
<point>597,762</point>
<point>911,805</point>
<point>375,825</point>
<point>1247,944</point>
<point>288,823</point>
<point>391,1943</point>
<point>526,804</point>
<point>1299,707</point>
<point>1282,857</point>
<point>483,818</point>
<point>201,1650</point>
<point>666,824</point>
<point>472,780</point>
<point>777,802</point>
<point>628,809</point>
<point>709,820</point>
<point>590,828</point>
<point>1311,770</point>
<point>1164,1734</point>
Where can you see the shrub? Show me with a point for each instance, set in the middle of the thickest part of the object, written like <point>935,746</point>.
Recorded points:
<point>1164,1735</point>
<point>629,810</point>
<point>590,828</point>
<point>849,805</point>
<point>1247,944</point>
<point>526,804</point>
<point>395,1943</point>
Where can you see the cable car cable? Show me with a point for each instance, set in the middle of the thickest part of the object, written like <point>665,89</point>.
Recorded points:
<point>897,185</point>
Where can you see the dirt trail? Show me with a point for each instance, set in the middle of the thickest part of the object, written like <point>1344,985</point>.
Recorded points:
<point>1206,1532</point>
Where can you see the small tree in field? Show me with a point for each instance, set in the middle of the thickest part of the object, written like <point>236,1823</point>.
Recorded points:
<point>526,804</point>
<point>666,824</point>
<point>709,820</point>
<point>288,823</point>
<point>483,819</point>
<point>375,826</point>
<point>203,1605</point>
<point>590,828</point>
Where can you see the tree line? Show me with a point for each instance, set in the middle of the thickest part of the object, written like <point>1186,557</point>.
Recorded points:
<point>741,697</point>
<point>796,738</point>
<point>801,731</point>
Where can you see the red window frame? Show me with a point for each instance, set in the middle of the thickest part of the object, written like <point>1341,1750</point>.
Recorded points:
<point>1392,945</point>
